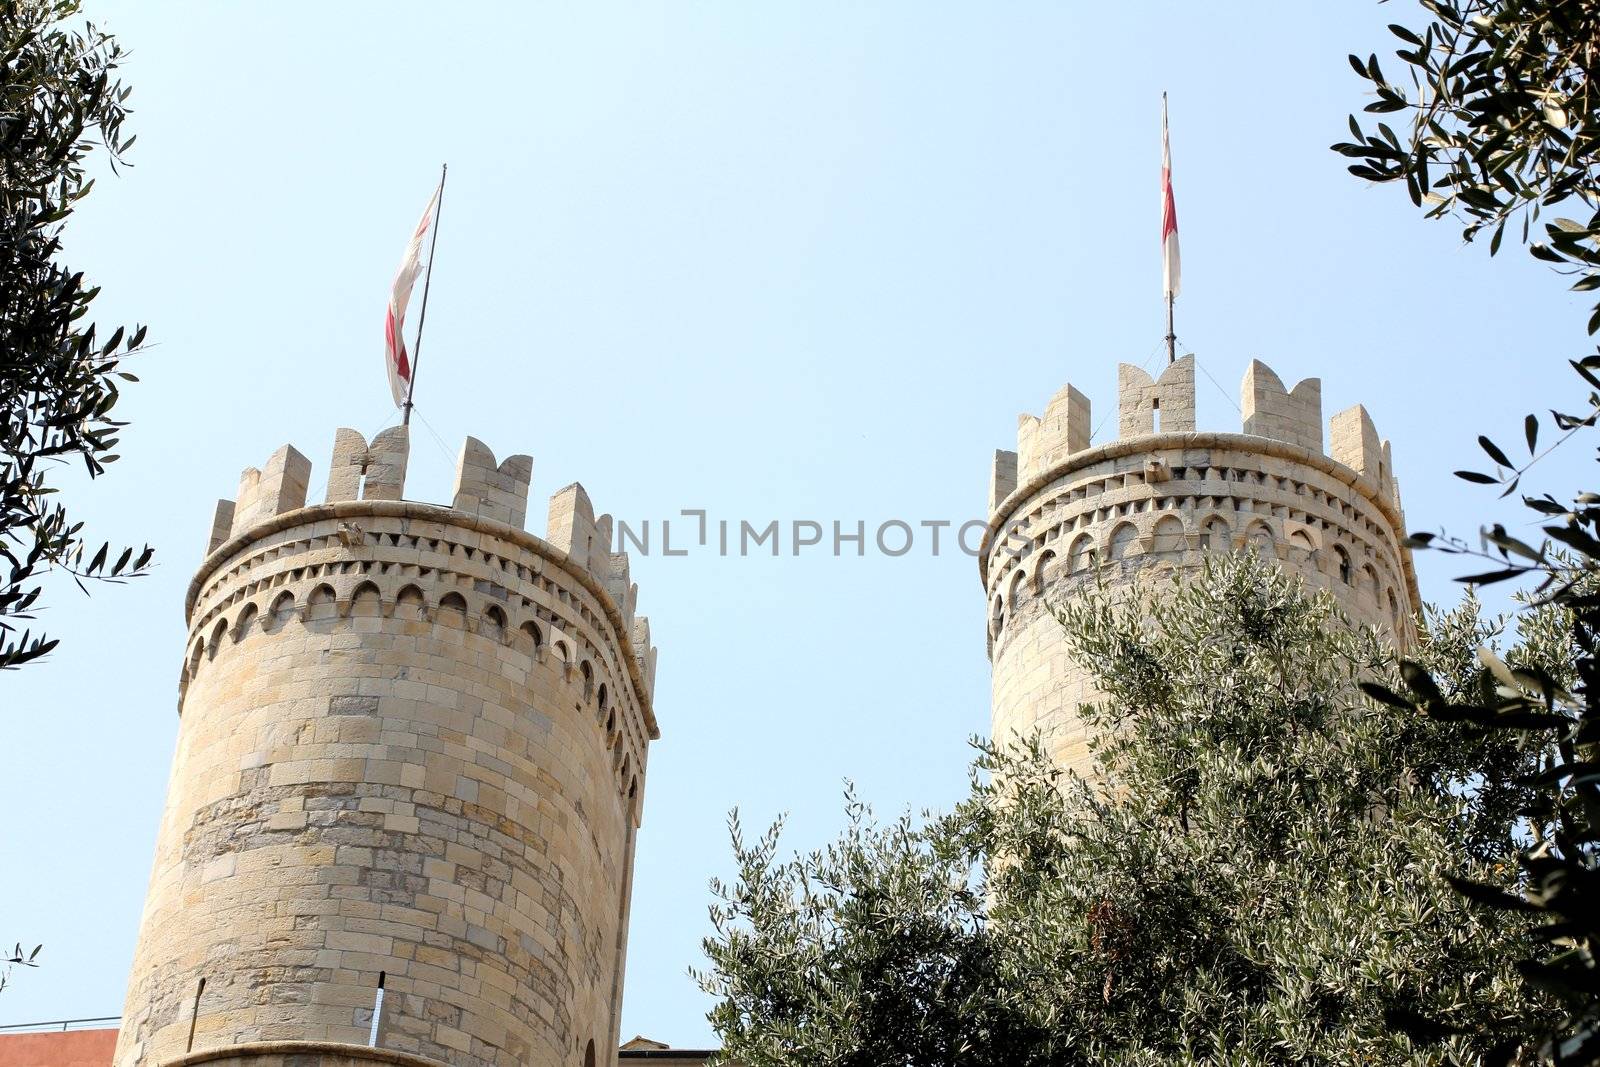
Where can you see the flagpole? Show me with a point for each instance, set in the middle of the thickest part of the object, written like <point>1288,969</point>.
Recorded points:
<point>1172,338</point>
<point>427,280</point>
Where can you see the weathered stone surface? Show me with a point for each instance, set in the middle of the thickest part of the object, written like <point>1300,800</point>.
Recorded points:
<point>1269,410</point>
<point>1151,506</point>
<point>382,769</point>
<point>277,487</point>
<point>1165,404</point>
<point>498,492</point>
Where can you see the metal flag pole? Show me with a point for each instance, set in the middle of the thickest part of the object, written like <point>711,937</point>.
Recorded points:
<point>427,280</point>
<point>1172,338</point>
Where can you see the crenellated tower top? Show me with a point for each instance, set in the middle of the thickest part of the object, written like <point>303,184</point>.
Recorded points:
<point>1166,405</point>
<point>1066,515</point>
<point>485,492</point>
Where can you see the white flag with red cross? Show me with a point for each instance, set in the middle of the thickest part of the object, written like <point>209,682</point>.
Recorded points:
<point>1171,263</point>
<point>394,342</point>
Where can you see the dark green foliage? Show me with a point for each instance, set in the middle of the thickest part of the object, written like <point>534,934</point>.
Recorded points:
<point>1500,115</point>
<point>1501,122</point>
<point>1255,879</point>
<point>58,100</point>
<point>1556,878</point>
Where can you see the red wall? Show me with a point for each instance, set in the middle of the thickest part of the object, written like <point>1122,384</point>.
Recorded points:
<point>70,1048</point>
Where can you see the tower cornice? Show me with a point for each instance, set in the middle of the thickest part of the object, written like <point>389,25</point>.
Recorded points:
<point>344,510</point>
<point>1148,444</point>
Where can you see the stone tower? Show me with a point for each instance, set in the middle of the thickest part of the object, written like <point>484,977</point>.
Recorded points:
<point>412,747</point>
<point>1152,503</point>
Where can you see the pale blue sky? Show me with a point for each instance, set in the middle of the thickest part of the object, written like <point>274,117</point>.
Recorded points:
<point>799,261</point>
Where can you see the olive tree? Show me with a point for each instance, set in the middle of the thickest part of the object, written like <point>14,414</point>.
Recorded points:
<point>60,101</point>
<point>1253,877</point>
<point>1499,116</point>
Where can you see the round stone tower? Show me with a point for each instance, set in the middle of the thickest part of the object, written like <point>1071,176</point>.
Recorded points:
<point>411,756</point>
<point>1153,503</point>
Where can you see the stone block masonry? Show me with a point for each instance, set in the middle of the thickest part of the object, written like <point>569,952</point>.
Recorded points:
<point>413,743</point>
<point>1148,508</point>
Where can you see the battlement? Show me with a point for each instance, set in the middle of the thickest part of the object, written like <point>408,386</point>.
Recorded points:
<point>1269,410</point>
<point>484,489</point>
<point>1166,405</point>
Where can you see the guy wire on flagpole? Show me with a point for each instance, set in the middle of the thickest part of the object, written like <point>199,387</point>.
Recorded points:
<point>427,279</point>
